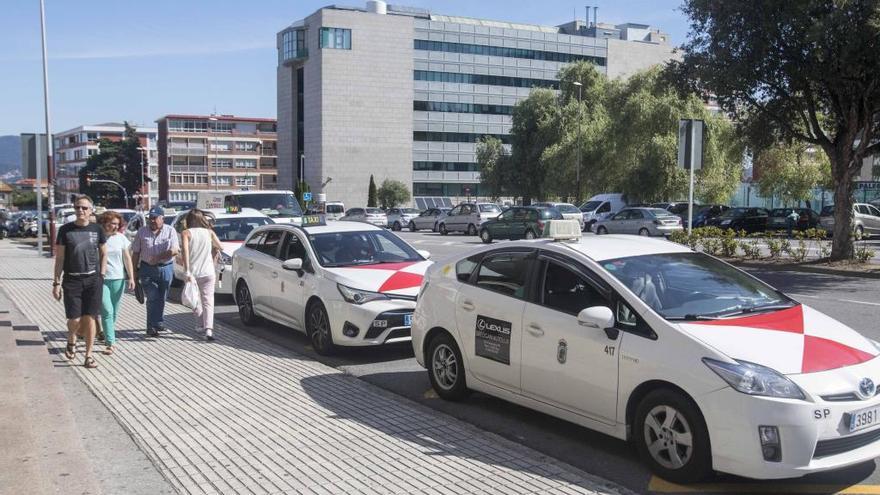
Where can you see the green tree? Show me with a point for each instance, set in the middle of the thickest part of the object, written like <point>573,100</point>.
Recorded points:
<point>392,193</point>
<point>119,161</point>
<point>534,129</point>
<point>790,172</point>
<point>26,199</point>
<point>371,193</point>
<point>802,70</point>
<point>494,163</point>
<point>300,188</point>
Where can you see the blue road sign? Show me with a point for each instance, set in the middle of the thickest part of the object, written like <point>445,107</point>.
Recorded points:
<point>307,196</point>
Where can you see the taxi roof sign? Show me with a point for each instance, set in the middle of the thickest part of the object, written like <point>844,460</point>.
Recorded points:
<point>313,220</point>
<point>563,230</point>
<point>233,209</point>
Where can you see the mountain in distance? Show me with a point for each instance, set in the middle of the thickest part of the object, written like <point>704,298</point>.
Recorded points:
<point>10,154</point>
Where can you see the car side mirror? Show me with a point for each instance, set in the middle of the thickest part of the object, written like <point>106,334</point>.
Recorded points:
<point>596,317</point>
<point>423,253</point>
<point>294,264</point>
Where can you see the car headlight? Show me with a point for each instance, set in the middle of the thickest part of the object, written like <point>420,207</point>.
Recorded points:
<point>754,379</point>
<point>225,259</point>
<point>357,296</point>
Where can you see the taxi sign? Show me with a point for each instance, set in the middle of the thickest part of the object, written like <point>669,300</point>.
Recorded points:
<point>313,220</point>
<point>233,209</point>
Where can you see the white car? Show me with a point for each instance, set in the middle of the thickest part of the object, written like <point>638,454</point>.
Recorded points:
<point>374,216</point>
<point>398,218</point>
<point>231,230</point>
<point>568,210</point>
<point>342,284</point>
<point>701,365</point>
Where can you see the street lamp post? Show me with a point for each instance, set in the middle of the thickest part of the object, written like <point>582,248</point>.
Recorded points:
<point>577,194</point>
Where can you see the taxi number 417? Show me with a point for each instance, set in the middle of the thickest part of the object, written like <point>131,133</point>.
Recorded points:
<point>864,418</point>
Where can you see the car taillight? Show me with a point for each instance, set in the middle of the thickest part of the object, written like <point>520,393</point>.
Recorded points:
<point>541,225</point>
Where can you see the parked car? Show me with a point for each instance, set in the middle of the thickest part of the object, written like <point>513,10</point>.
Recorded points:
<point>399,218</point>
<point>373,216</point>
<point>467,218</point>
<point>641,221</point>
<point>705,213</point>
<point>568,210</point>
<point>866,220</point>
<point>701,365</point>
<point>778,219</point>
<point>679,208</point>
<point>518,222</point>
<point>334,210</point>
<point>428,219</point>
<point>601,206</point>
<point>740,218</point>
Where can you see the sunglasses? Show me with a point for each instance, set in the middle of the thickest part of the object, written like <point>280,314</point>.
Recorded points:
<point>83,208</point>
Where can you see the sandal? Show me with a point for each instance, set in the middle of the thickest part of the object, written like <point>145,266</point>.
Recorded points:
<point>90,362</point>
<point>70,351</point>
<point>108,351</point>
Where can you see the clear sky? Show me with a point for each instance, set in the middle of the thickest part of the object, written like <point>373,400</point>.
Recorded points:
<point>111,61</point>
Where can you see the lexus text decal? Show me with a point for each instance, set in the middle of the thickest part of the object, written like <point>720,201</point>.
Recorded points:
<point>493,339</point>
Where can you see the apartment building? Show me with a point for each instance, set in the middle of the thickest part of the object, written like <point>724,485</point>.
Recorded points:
<point>74,147</point>
<point>205,152</point>
<point>401,93</point>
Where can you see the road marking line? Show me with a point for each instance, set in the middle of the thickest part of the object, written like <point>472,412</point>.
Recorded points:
<point>662,486</point>
<point>837,300</point>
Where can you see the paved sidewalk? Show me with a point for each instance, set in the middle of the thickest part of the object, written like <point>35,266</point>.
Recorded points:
<point>242,415</point>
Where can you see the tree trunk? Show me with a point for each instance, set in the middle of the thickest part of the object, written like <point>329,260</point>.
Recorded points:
<point>842,242</point>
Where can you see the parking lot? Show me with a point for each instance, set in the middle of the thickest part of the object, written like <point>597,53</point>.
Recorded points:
<point>854,301</point>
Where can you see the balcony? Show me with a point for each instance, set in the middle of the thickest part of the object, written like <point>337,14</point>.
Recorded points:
<point>430,176</point>
<point>190,151</point>
<point>188,168</point>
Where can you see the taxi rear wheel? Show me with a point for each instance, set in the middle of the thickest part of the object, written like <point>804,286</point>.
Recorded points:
<point>446,368</point>
<point>672,437</point>
<point>245,305</point>
<point>318,326</point>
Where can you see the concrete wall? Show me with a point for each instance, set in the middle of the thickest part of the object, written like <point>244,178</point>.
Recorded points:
<point>628,57</point>
<point>286,127</point>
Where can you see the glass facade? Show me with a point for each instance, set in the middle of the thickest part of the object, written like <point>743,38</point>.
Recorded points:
<point>455,77</point>
<point>446,189</point>
<point>444,106</point>
<point>293,45</point>
<point>500,51</point>
<point>338,38</point>
<point>446,166</point>
<point>455,137</point>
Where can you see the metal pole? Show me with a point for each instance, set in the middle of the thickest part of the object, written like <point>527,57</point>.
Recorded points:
<point>577,195</point>
<point>50,166</point>
<point>691,188</point>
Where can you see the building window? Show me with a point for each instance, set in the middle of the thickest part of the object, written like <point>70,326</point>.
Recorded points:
<point>335,38</point>
<point>221,162</point>
<point>221,126</point>
<point>246,181</point>
<point>187,126</point>
<point>92,136</point>
<point>93,152</point>
<point>499,51</point>
<point>443,189</point>
<point>446,166</point>
<point>245,146</point>
<point>245,163</point>
<point>456,137</point>
<point>77,155</point>
<point>444,106</point>
<point>221,145</point>
<point>293,45</point>
<point>222,180</point>
<point>485,79</point>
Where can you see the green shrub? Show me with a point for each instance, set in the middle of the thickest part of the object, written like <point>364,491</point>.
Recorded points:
<point>774,244</point>
<point>680,237</point>
<point>798,252</point>
<point>862,253</point>
<point>728,244</point>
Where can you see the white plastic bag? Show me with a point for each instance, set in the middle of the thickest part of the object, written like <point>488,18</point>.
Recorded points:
<point>190,296</point>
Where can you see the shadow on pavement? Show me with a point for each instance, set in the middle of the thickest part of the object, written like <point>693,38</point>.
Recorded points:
<point>803,282</point>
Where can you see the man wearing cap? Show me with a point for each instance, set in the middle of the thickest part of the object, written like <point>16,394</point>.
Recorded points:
<point>152,252</point>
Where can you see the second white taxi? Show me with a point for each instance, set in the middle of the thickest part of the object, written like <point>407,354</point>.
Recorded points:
<point>702,366</point>
<point>342,284</point>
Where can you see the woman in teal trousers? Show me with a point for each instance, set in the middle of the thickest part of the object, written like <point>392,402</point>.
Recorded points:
<point>118,269</point>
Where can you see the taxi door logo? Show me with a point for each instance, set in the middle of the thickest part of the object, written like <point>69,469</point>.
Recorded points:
<point>493,339</point>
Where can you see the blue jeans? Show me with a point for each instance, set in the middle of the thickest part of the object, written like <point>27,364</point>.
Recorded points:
<point>156,280</point>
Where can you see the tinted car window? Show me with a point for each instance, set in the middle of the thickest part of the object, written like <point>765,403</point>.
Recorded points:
<point>873,211</point>
<point>505,273</point>
<point>567,208</point>
<point>605,208</point>
<point>270,243</point>
<point>294,248</point>
<point>862,209</point>
<point>566,291</point>
<point>237,229</point>
<point>636,214</point>
<point>255,241</point>
<point>490,209</point>
<point>551,214</point>
<point>465,267</point>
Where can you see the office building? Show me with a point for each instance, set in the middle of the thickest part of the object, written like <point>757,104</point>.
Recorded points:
<point>207,152</point>
<point>74,147</point>
<point>401,93</point>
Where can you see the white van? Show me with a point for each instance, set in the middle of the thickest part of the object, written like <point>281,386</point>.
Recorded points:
<point>600,207</point>
<point>334,210</point>
<point>281,206</point>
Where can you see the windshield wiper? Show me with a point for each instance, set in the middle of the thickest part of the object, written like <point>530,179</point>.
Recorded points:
<point>691,318</point>
<point>757,309</point>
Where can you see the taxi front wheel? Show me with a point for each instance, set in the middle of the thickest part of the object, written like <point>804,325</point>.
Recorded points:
<point>672,438</point>
<point>446,368</point>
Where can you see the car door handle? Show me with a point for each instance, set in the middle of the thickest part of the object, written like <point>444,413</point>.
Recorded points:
<point>251,265</point>
<point>535,330</point>
<point>274,274</point>
<point>467,306</point>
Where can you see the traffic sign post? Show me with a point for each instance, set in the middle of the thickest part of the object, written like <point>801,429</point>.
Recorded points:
<point>307,196</point>
<point>691,134</point>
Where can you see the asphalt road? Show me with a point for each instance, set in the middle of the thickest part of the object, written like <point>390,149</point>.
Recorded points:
<point>854,301</point>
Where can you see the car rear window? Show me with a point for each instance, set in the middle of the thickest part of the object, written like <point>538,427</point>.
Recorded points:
<point>551,214</point>
<point>567,208</point>
<point>334,209</point>
<point>490,209</point>
<point>374,211</point>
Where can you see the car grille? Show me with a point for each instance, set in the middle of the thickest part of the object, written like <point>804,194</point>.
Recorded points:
<point>825,448</point>
<point>398,333</point>
<point>394,319</point>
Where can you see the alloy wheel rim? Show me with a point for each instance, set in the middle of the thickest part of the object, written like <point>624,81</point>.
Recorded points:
<point>485,235</point>
<point>244,302</point>
<point>445,366</point>
<point>643,232</point>
<point>320,329</point>
<point>669,437</point>
<point>530,235</point>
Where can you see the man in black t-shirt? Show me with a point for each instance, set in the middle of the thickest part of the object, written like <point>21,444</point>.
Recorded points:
<point>82,257</point>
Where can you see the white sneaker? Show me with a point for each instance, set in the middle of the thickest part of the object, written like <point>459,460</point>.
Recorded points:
<point>209,334</point>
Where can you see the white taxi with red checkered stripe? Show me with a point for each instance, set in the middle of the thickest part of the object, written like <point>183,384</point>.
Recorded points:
<point>343,284</point>
<point>701,365</point>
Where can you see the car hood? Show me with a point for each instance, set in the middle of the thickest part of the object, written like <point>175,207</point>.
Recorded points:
<point>230,247</point>
<point>791,341</point>
<point>402,279</point>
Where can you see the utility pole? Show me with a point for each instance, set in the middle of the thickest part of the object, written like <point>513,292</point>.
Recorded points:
<point>577,194</point>
<point>50,165</point>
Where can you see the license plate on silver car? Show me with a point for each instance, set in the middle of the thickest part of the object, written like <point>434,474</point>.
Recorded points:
<point>407,320</point>
<point>863,418</point>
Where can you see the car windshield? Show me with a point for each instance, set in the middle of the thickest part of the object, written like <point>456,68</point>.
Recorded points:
<point>490,209</point>
<point>567,208</point>
<point>678,208</point>
<point>361,248</point>
<point>410,211</point>
<point>693,286</point>
<point>280,205</point>
<point>590,205</point>
<point>733,212</point>
<point>374,211</point>
<point>236,229</point>
<point>334,209</point>
<point>657,212</point>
